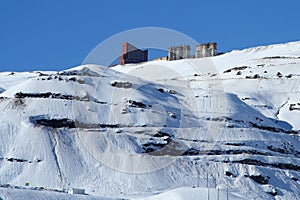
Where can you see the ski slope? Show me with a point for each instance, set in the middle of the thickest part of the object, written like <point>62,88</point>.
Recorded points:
<point>155,130</point>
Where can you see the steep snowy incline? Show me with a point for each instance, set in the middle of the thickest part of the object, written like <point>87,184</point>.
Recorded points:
<point>138,130</point>
<point>266,78</point>
<point>9,79</point>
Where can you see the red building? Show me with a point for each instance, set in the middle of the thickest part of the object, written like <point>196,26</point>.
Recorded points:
<point>131,54</point>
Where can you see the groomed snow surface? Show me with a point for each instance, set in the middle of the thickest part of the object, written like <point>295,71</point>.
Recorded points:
<point>225,127</point>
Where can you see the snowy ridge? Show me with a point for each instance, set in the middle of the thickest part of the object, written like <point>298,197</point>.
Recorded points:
<point>134,131</point>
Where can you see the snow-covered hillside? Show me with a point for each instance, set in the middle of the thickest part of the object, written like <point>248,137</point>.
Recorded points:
<point>229,122</point>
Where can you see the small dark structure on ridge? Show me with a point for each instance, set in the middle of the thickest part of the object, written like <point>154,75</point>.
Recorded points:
<point>131,54</point>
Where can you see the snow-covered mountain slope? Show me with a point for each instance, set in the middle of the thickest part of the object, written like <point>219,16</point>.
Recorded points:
<point>194,194</point>
<point>38,193</point>
<point>9,79</point>
<point>130,131</point>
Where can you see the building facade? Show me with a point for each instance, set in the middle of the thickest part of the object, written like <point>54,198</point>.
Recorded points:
<point>131,54</point>
<point>206,50</point>
<point>179,52</point>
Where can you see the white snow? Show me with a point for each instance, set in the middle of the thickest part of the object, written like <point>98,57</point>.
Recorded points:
<point>194,194</point>
<point>156,130</point>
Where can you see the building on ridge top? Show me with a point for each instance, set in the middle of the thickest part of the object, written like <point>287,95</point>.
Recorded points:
<point>179,52</point>
<point>206,50</point>
<point>131,54</point>
<point>183,51</point>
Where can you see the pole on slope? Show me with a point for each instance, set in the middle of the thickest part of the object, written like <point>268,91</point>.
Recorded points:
<point>227,192</point>
<point>207,179</point>
<point>218,197</point>
<point>216,179</point>
<point>208,196</point>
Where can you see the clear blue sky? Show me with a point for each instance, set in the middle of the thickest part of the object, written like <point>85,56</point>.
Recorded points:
<point>58,34</point>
